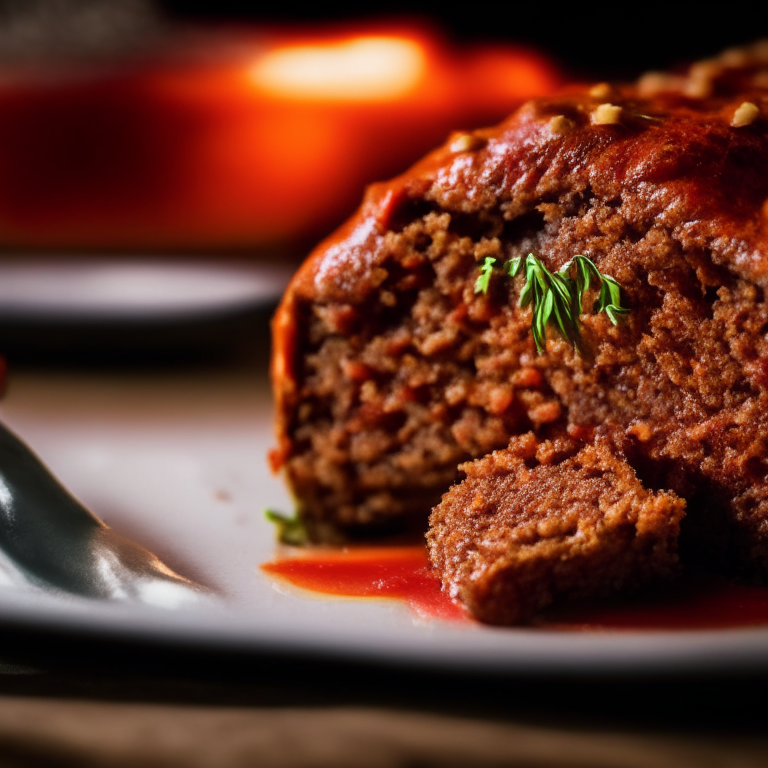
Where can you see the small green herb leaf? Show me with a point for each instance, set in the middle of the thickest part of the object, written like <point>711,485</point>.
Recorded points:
<point>513,266</point>
<point>290,530</point>
<point>609,300</point>
<point>484,278</point>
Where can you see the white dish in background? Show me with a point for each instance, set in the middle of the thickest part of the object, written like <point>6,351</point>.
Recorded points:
<point>177,462</point>
<point>123,288</point>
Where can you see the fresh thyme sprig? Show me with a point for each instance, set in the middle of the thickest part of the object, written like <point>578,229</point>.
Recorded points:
<point>557,298</point>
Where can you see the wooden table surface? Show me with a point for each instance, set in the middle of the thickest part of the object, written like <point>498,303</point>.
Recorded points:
<point>103,704</point>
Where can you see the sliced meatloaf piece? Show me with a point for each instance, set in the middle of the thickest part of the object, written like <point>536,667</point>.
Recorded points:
<point>390,370</point>
<point>536,522</point>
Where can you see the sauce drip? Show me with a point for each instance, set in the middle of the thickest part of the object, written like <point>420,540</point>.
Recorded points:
<point>400,573</point>
<point>404,573</point>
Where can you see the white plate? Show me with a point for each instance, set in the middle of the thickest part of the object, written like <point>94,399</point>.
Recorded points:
<point>77,288</point>
<point>178,463</point>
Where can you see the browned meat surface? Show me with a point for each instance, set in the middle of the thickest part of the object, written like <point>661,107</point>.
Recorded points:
<point>390,371</point>
<point>531,523</point>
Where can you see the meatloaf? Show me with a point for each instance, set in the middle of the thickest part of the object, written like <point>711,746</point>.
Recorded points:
<point>391,371</point>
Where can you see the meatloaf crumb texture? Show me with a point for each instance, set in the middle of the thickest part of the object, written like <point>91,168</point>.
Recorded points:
<point>390,371</point>
<point>525,528</point>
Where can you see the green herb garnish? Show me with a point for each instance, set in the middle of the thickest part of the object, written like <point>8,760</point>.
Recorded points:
<point>557,298</point>
<point>484,278</point>
<point>290,530</point>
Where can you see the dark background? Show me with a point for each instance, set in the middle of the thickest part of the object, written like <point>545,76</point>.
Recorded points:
<point>591,39</point>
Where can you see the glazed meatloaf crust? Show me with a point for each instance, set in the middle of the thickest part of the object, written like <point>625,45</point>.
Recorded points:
<point>390,370</point>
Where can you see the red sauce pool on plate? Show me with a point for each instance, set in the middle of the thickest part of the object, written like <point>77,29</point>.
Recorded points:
<point>404,573</point>
<point>400,573</point>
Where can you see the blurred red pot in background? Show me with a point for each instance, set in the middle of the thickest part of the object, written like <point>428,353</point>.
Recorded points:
<point>265,143</point>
